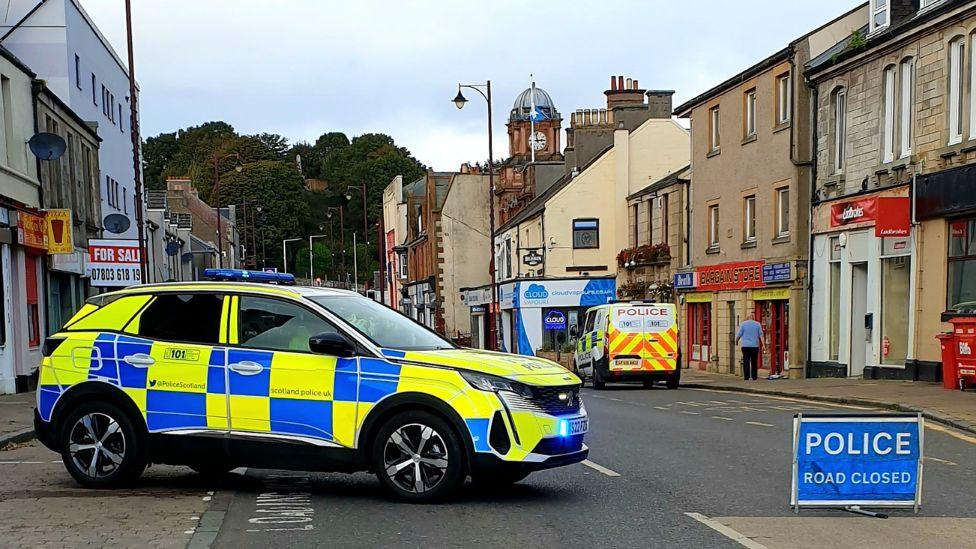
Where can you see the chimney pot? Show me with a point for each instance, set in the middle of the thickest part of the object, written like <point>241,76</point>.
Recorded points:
<point>630,84</point>
<point>620,82</point>
<point>613,82</point>
<point>635,84</point>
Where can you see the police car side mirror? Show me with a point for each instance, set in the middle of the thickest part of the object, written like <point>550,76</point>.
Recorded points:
<point>331,343</point>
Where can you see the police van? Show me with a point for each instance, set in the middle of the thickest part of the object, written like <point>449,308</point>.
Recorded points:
<point>219,375</point>
<point>635,341</point>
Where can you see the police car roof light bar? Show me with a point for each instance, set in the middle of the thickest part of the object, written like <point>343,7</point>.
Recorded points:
<point>243,275</point>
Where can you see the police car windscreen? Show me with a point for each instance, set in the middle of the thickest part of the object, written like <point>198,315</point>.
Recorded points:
<point>382,325</point>
<point>642,318</point>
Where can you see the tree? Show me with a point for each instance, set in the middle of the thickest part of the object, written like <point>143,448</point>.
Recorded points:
<point>323,259</point>
<point>279,190</point>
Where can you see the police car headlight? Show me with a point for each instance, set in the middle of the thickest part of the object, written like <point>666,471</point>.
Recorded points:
<point>485,382</point>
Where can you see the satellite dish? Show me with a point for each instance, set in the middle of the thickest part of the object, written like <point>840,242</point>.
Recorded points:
<point>172,247</point>
<point>47,146</point>
<point>116,223</point>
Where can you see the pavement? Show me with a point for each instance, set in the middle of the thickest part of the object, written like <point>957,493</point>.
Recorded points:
<point>684,468</point>
<point>948,407</point>
<point>16,418</point>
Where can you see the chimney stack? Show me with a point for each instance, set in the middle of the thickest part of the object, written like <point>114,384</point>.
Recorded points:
<point>624,93</point>
<point>659,103</point>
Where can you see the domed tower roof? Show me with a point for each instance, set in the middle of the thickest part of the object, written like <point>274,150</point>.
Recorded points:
<point>523,104</point>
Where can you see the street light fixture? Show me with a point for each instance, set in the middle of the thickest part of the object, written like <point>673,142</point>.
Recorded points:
<point>284,252</point>
<point>311,272</point>
<point>459,102</point>
<point>215,197</point>
<point>362,189</point>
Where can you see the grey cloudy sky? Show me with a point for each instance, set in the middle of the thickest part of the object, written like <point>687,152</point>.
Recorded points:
<point>304,67</point>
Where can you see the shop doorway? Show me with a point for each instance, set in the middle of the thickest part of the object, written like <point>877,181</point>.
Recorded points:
<point>860,332</point>
<point>774,315</point>
<point>733,327</point>
<point>700,333</point>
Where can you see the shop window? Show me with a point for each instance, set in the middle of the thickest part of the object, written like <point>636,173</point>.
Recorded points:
<point>961,292</point>
<point>586,233</point>
<point>834,318</point>
<point>191,318</point>
<point>895,287</point>
<point>33,313</point>
<point>700,330</point>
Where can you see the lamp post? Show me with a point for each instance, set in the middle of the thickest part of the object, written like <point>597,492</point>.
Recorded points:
<point>459,102</point>
<point>284,252</point>
<point>362,189</point>
<point>311,272</point>
<point>342,234</point>
<point>215,196</point>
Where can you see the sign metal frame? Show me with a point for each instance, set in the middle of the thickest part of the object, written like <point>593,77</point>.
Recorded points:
<point>855,505</point>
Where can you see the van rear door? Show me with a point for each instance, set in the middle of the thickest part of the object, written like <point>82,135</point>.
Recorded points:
<point>644,337</point>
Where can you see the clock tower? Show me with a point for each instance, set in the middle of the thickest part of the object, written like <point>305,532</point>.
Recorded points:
<point>538,132</point>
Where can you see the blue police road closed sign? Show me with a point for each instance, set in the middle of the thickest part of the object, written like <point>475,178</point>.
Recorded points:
<point>857,460</point>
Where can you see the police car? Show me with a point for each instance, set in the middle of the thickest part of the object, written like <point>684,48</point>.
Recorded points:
<point>634,341</point>
<point>218,375</point>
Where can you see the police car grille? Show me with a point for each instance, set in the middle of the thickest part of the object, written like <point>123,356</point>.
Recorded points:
<point>547,401</point>
<point>559,445</point>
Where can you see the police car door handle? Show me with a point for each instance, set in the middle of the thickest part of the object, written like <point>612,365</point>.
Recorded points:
<point>139,360</point>
<point>246,368</point>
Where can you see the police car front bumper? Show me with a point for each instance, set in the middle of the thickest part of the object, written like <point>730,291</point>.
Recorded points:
<point>490,462</point>
<point>44,431</point>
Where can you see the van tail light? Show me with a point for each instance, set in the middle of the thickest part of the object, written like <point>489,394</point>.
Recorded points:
<point>50,345</point>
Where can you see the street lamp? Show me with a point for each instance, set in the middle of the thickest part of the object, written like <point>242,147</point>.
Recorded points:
<point>284,252</point>
<point>459,102</point>
<point>311,272</point>
<point>342,233</point>
<point>349,191</point>
<point>215,196</point>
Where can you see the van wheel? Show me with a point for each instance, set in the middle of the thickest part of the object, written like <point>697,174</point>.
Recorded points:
<point>418,457</point>
<point>673,380</point>
<point>598,382</point>
<point>100,446</point>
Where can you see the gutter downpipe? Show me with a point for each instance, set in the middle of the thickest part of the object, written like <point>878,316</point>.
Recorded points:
<point>814,102</point>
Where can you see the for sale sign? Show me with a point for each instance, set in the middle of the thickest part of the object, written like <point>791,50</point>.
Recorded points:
<point>113,263</point>
<point>871,460</point>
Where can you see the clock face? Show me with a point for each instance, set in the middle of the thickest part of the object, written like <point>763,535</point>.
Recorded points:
<point>537,141</point>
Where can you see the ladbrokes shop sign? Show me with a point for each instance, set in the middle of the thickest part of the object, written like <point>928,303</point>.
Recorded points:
<point>890,214</point>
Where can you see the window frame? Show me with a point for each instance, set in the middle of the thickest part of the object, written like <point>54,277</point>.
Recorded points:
<point>840,130</point>
<point>784,98</point>
<point>664,207</point>
<point>906,102</point>
<point>873,12</point>
<point>77,71</point>
<point>714,133</point>
<point>240,312</point>
<point>781,216</point>
<point>968,254</point>
<point>955,94</point>
<point>713,226</point>
<point>749,233</point>
<point>155,297</point>
<point>889,87</point>
<point>749,114</point>
<point>576,229</point>
<point>636,232</point>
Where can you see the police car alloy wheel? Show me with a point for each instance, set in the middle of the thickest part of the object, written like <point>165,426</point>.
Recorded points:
<point>418,457</point>
<point>100,447</point>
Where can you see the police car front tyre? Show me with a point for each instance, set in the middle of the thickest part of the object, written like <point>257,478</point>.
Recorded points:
<point>418,457</point>
<point>100,446</point>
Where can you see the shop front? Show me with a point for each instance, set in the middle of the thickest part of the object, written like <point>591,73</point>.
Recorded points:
<point>478,301</point>
<point>539,314</point>
<point>420,303</point>
<point>862,313</point>
<point>715,299</point>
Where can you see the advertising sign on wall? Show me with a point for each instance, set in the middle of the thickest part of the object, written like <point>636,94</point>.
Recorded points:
<point>31,231</point>
<point>685,281</point>
<point>555,320</point>
<point>777,272</point>
<point>113,263</point>
<point>857,459</point>
<point>891,214</point>
<point>731,276</point>
<point>60,239</point>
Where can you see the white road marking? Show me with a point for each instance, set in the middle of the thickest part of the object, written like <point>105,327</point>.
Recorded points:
<point>614,399</point>
<point>726,531</point>
<point>937,460</point>
<point>723,418</point>
<point>761,424</point>
<point>776,397</point>
<point>951,432</point>
<point>600,468</point>
<point>660,408</point>
<point>689,413</point>
<point>25,462</point>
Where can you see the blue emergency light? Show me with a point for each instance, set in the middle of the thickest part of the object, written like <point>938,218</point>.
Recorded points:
<point>244,275</point>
